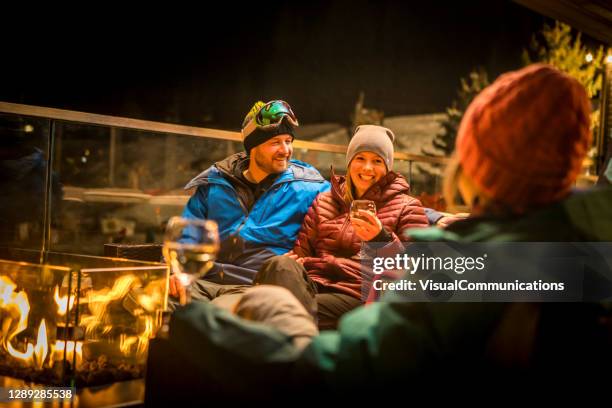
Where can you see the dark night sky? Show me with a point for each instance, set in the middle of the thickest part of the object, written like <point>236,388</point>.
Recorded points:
<point>207,68</point>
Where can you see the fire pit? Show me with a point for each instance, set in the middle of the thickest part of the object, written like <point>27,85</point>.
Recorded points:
<point>78,320</point>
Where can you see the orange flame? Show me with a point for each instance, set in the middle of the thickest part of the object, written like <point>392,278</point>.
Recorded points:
<point>18,308</point>
<point>139,343</point>
<point>126,342</point>
<point>99,301</point>
<point>70,349</point>
<point>41,348</point>
<point>64,303</point>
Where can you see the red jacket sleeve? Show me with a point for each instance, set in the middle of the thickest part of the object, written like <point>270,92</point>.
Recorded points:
<point>412,216</point>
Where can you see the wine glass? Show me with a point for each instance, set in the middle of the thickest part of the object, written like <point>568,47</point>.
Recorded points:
<point>190,248</point>
<point>362,205</point>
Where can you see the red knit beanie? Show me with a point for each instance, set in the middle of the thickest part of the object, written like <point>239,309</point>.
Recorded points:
<point>523,139</point>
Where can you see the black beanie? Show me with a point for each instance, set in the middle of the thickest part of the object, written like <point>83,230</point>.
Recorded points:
<point>259,135</point>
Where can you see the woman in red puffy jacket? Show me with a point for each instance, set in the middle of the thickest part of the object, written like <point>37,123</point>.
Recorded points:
<point>324,270</point>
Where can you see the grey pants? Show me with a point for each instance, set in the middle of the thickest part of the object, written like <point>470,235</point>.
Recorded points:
<point>328,307</point>
<point>224,296</point>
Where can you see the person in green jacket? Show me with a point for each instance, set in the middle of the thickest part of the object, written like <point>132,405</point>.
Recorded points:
<point>519,150</point>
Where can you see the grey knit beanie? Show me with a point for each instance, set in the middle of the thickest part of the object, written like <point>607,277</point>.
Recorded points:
<point>372,138</point>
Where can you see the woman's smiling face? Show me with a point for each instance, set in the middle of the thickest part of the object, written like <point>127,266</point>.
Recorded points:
<point>365,170</point>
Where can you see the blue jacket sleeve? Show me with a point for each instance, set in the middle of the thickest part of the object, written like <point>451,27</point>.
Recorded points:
<point>432,216</point>
<point>326,186</point>
<point>197,206</point>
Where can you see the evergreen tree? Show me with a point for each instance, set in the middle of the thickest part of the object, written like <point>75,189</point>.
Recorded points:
<point>444,141</point>
<point>558,47</point>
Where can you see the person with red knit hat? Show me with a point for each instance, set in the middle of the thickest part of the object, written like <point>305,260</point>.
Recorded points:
<point>521,142</point>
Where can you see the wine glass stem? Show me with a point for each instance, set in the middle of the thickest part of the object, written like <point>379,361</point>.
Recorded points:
<point>187,298</point>
<point>362,252</point>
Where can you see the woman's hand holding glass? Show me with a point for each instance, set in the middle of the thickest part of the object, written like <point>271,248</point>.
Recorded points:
<point>364,220</point>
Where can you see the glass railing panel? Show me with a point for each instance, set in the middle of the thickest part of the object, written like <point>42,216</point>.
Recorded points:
<point>426,184</point>
<point>322,161</point>
<point>115,182</point>
<point>122,185</point>
<point>23,180</point>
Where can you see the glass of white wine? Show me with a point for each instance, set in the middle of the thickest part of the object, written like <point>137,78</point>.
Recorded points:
<point>356,207</point>
<point>362,205</point>
<point>190,248</point>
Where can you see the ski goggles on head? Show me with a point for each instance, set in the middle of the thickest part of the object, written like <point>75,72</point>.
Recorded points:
<point>270,116</point>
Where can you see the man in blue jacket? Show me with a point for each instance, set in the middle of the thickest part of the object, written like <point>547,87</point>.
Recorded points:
<point>258,198</point>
